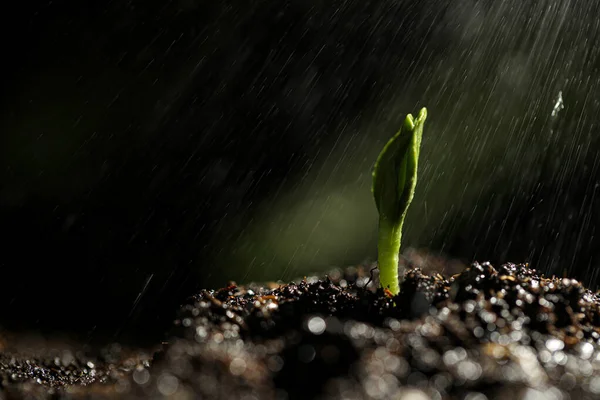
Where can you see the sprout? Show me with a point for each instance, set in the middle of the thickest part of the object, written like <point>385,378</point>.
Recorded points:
<point>394,181</point>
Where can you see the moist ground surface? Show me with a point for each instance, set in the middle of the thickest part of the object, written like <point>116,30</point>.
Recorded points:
<point>485,333</point>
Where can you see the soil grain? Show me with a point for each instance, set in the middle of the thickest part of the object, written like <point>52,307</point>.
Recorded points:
<point>485,333</point>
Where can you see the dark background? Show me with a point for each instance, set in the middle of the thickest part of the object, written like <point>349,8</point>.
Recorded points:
<point>142,141</point>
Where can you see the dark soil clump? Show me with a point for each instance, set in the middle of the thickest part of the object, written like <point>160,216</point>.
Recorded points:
<point>485,333</point>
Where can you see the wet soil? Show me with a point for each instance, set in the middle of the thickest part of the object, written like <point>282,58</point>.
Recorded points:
<point>484,333</point>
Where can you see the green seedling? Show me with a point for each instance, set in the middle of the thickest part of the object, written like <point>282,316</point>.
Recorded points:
<point>394,181</point>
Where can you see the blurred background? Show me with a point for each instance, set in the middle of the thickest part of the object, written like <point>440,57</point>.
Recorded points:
<point>149,149</point>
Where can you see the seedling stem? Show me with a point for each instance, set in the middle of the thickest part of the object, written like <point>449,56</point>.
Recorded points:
<point>394,182</point>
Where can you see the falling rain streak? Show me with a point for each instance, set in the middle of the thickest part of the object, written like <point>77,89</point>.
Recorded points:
<point>174,146</point>
<point>509,160</point>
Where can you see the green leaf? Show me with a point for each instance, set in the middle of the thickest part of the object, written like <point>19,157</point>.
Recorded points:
<point>394,182</point>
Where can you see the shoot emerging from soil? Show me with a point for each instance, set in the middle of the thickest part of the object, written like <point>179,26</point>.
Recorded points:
<point>394,181</point>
